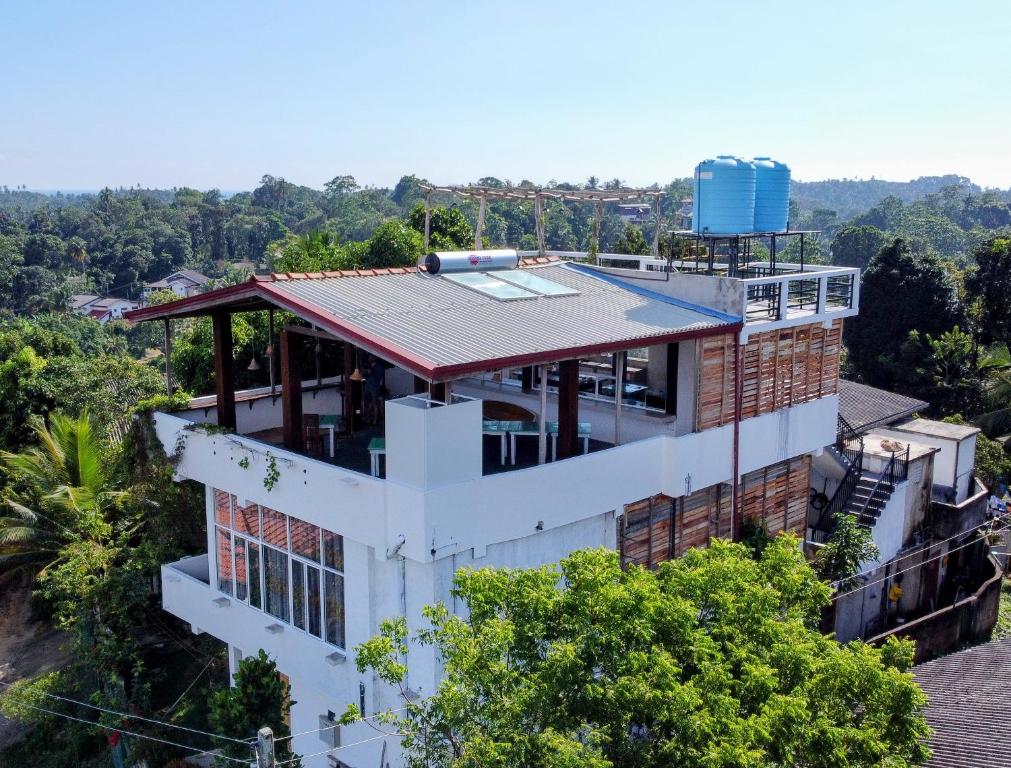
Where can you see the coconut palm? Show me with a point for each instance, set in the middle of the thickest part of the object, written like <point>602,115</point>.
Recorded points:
<point>63,494</point>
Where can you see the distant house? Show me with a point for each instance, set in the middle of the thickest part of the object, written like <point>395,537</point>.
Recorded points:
<point>635,213</point>
<point>102,308</point>
<point>185,282</point>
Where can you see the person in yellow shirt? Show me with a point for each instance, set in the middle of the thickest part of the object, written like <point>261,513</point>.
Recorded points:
<point>894,596</point>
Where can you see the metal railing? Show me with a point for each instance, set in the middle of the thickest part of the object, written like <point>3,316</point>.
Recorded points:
<point>845,434</point>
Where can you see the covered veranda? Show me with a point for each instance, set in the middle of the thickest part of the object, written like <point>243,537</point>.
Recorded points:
<point>418,328</point>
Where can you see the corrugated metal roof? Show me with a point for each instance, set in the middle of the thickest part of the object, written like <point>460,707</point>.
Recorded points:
<point>968,693</point>
<point>452,328</point>
<point>865,407</point>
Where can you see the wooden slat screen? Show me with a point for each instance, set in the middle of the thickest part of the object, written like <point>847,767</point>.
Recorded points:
<point>778,495</point>
<point>660,528</point>
<point>780,368</point>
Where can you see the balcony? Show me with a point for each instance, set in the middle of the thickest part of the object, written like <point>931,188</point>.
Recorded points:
<point>767,296</point>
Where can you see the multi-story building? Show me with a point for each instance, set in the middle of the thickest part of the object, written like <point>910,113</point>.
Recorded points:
<point>503,417</point>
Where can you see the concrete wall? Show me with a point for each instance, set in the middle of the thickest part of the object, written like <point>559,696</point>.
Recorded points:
<point>968,621</point>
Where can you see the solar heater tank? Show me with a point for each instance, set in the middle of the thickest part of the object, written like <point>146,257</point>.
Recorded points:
<point>471,261</point>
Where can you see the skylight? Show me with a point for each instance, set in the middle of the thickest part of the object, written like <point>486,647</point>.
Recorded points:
<point>482,282</point>
<point>527,279</point>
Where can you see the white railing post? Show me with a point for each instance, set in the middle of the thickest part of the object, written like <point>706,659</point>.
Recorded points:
<point>822,304</point>
<point>784,298</point>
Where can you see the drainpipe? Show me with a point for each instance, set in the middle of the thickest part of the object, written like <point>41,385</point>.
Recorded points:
<point>735,513</point>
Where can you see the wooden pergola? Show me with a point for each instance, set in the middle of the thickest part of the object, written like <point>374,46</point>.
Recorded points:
<point>538,196</point>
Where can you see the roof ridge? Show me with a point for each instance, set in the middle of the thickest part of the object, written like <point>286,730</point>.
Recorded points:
<point>275,277</point>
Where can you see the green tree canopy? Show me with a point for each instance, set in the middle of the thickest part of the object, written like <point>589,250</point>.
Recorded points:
<point>856,246</point>
<point>258,698</point>
<point>991,283</point>
<point>448,228</point>
<point>900,291</point>
<point>712,660</point>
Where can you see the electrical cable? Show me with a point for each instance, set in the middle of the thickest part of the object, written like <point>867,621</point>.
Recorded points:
<point>999,518</point>
<point>912,567</point>
<point>139,717</point>
<point>337,725</point>
<point>334,749</point>
<point>131,733</point>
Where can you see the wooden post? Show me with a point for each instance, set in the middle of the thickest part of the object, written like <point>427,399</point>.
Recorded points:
<point>671,404</point>
<point>224,368</point>
<point>598,211</point>
<point>539,224</point>
<point>619,393</point>
<point>291,395</point>
<point>542,421</point>
<point>270,349</point>
<point>568,409</point>
<point>437,392</point>
<point>656,231</point>
<point>428,219</point>
<point>479,229</point>
<point>348,404</point>
<point>168,355</point>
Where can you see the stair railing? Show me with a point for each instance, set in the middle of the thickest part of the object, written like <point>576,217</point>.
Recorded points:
<point>889,475</point>
<point>844,434</point>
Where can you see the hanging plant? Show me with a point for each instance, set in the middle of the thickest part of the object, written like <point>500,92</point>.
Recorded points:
<point>273,473</point>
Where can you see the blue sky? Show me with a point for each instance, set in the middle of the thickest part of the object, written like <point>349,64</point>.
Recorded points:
<point>215,94</point>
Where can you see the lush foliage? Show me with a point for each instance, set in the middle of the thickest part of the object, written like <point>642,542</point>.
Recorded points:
<point>712,660</point>
<point>849,546</point>
<point>258,698</point>
<point>901,291</point>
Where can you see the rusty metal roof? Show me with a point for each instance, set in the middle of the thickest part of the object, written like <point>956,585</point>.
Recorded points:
<point>439,329</point>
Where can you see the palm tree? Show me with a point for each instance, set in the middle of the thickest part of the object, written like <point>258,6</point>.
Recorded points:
<point>64,494</point>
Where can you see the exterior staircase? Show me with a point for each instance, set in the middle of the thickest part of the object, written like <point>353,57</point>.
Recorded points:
<point>868,498</point>
<point>861,493</point>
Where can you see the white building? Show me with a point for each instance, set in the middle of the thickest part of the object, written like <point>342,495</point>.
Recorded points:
<point>184,283</point>
<point>728,388</point>
<point>102,308</point>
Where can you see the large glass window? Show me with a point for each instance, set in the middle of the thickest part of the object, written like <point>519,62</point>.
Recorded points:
<point>224,556</point>
<point>287,567</point>
<point>334,608</point>
<point>255,594</point>
<point>333,551</point>
<point>275,579</point>
<point>298,593</point>
<point>315,604</point>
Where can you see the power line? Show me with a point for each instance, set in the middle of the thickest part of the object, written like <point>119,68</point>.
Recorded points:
<point>131,733</point>
<point>335,749</point>
<point>337,725</point>
<point>911,568</point>
<point>1000,518</point>
<point>138,717</point>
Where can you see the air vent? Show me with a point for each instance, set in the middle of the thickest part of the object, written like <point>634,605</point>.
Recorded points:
<point>329,732</point>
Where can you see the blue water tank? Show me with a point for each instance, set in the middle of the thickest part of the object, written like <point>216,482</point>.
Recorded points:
<point>724,199</point>
<point>772,195</point>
